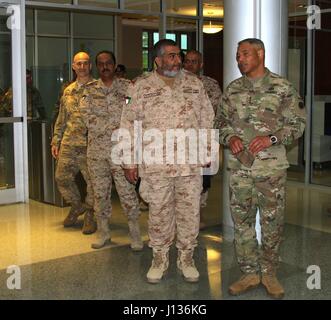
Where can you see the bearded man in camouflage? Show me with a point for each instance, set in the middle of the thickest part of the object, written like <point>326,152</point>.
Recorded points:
<point>261,113</point>
<point>169,99</point>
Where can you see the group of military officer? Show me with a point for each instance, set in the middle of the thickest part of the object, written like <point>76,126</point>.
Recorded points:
<point>260,113</point>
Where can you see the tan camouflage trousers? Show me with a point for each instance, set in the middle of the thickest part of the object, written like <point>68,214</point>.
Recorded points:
<point>71,160</point>
<point>102,173</point>
<point>247,193</point>
<point>174,210</point>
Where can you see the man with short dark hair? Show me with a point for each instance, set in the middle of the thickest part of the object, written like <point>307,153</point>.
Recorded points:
<point>164,100</point>
<point>261,113</point>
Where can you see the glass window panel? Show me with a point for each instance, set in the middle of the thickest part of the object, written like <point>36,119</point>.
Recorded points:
<point>151,5</point>
<point>145,39</point>
<point>7,169</point>
<point>297,75</point>
<point>29,21</point>
<point>3,20</point>
<point>213,8</point>
<point>29,51</point>
<point>51,22</point>
<point>321,109</point>
<point>52,71</point>
<point>183,41</point>
<point>99,3</point>
<point>6,97</point>
<point>171,36</point>
<point>156,37</point>
<point>92,25</point>
<point>145,60</point>
<point>183,7</point>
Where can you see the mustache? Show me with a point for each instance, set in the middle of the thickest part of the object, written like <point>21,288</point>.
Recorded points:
<point>104,70</point>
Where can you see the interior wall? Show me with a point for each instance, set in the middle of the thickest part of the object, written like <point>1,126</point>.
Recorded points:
<point>131,50</point>
<point>213,56</point>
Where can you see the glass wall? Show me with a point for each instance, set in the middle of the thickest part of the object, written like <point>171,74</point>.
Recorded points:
<point>7,170</point>
<point>299,68</point>
<point>297,60</point>
<point>321,109</point>
<point>52,39</point>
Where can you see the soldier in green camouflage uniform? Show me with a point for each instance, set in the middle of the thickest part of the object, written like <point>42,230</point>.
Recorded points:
<point>69,147</point>
<point>261,113</point>
<point>35,106</point>
<point>101,107</point>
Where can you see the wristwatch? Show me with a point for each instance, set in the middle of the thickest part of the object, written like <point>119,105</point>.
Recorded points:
<point>273,139</point>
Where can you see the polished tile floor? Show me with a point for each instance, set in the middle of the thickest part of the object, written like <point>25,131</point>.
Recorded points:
<point>58,263</point>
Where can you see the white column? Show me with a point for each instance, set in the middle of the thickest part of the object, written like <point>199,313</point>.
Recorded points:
<point>268,21</point>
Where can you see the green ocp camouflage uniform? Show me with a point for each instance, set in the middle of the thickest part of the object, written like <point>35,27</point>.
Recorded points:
<point>102,108</point>
<point>35,106</point>
<point>267,106</point>
<point>70,135</point>
<point>172,190</point>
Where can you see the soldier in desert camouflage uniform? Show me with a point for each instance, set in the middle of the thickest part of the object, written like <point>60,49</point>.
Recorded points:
<point>261,113</point>
<point>169,98</point>
<point>102,106</point>
<point>193,62</point>
<point>69,147</point>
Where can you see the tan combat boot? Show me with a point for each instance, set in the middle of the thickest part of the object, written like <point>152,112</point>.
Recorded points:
<point>246,282</point>
<point>186,266</point>
<point>136,242</point>
<point>90,225</point>
<point>103,233</point>
<point>159,265</point>
<point>272,285</point>
<point>76,210</point>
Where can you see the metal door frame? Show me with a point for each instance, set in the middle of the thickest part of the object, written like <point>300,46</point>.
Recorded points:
<point>20,192</point>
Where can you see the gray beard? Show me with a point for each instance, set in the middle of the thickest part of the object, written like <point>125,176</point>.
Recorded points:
<point>170,74</point>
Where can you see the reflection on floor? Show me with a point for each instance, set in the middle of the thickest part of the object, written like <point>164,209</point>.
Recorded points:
<point>321,176</point>
<point>58,263</point>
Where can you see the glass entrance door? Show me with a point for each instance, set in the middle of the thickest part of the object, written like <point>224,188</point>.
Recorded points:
<point>12,99</point>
